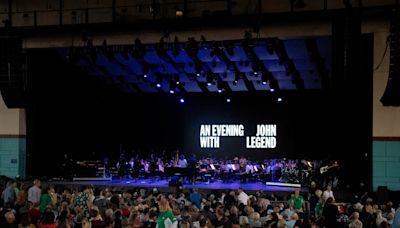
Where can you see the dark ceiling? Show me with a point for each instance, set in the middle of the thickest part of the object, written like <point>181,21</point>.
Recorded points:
<point>201,66</point>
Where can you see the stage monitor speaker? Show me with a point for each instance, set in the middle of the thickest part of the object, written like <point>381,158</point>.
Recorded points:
<point>173,182</point>
<point>12,71</point>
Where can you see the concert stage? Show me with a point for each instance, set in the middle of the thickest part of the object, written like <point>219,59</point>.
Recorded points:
<point>163,185</point>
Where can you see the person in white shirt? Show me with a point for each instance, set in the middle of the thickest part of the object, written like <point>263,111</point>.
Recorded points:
<point>242,197</point>
<point>327,193</point>
<point>182,163</point>
<point>34,192</point>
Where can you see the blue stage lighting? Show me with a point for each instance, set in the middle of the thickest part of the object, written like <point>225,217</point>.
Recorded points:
<point>264,83</point>
<point>171,91</point>
<point>158,85</point>
<point>145,76</point>
<point>182,100</point>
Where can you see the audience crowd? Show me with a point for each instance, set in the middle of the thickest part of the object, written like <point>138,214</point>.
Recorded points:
<point>40,206</point>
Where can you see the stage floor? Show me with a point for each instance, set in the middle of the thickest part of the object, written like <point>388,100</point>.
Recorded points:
<point>163,184</point>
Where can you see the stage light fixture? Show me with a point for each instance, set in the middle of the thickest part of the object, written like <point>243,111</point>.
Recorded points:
<point>272,90</point>
<point>209,79</point>
<point>230,50</point>
<point>145,75</point>
<point>237,77</point>
<point>220,87</point>
<point>182,100</point>
<point>158,85</point>
<point>264,79</point>
<point>279,99</point>
<point>176,79</point>
<point>228,100</point>
<point>172,87</point>
<point>198,75</point>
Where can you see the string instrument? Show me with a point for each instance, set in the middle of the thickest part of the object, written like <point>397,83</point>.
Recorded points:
<point>326,168</point>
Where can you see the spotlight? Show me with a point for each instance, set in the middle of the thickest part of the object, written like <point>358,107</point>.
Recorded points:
<point>158,85</point>
<point>264,82</point>
<point>209,83</point>
<point>228,100</point>
<point>145,75</point>
<point>182,100</point>
<point>198,75</point>
<point>272,90</point>
<point>171,91</point>
<point>177,82</point>
<point>255,73</point>
<point>219,90</point>
<point>279,99</point>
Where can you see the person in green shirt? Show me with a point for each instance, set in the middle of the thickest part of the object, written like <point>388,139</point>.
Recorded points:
<point>166,218</point>
<point>45,200</point>
<point>297,201</point>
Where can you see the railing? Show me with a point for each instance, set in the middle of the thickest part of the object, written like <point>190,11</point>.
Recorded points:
<point>117,12</point>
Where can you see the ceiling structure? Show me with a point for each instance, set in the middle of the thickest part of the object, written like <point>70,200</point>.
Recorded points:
<point>269,64</point>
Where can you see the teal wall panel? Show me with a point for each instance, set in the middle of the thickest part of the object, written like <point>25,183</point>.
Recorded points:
<point>386,164</point>
<point>12,157</point>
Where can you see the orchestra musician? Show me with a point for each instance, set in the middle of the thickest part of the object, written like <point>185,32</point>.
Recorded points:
<point>227,170</point>
<point>182,162</point>
<point>192,164</point>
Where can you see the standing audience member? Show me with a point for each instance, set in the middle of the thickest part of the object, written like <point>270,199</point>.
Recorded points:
<point>328,193</point>
<point>243,198</point>
<point>297,201</point>
<point>34,192</point>
<point>9,194</point>
<point>45,199</point>
<point>166,218</point>
<point>330,213</point>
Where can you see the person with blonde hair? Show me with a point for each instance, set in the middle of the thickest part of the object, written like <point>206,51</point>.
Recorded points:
<point>166,218</point>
